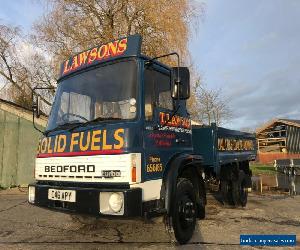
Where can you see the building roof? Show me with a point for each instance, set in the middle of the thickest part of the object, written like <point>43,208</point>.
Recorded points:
<point>14,104</point>
<point>22,112</point>
<point>291,122</point>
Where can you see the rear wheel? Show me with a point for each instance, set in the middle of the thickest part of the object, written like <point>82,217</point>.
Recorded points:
<point>243,189</point>
<point>239,191</point>
<point>234,192</point>
<point>295,171</point>
<point>184,212</point>
<point>224,187</point>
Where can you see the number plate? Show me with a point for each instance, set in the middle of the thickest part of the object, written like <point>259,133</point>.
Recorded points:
<point>62,195</point>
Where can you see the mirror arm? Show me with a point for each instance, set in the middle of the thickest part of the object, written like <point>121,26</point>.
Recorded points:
<point>33,121</point>
<point>170,54</point>
<point>35,107</point>
<point>177,82</point>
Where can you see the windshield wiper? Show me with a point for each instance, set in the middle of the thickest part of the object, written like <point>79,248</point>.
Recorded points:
<point>61,126</point>
<point>98,119</point>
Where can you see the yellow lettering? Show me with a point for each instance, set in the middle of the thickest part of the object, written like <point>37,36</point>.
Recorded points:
<point>82,57</point>
<point>73,141</point>
<point>55,143</point>
<point>44,145</point>
<point>39,147</point>
<point>102,52</point>
<point>119,138</point>
<point>122,46</point>
<point>92,55</point>
<point>95,139</point>
<point>67,68</point>
<point>74,63</point>
<point>105,145</point>
<point>49,150</point>
<point>112,48</point>
<point>61,147</point>
<point>87,144</point>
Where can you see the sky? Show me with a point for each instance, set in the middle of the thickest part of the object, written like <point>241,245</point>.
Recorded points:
<point>20,13</point>
<point>250,49</point>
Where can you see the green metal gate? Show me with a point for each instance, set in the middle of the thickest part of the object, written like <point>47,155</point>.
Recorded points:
<point>18,145</point>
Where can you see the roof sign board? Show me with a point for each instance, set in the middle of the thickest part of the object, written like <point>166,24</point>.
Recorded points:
<point>123,47</point>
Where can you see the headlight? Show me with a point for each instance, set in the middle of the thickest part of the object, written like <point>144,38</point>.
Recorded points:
<point>31,194</point>
<point>111,203</point>
<point>115,202</point>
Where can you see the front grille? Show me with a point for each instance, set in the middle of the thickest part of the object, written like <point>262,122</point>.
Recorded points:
<point>84,168</point>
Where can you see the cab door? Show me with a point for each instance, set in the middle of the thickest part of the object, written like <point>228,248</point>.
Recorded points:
<point>160,140</point>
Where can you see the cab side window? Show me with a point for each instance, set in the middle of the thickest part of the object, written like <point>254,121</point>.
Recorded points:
<point>163,90</point>
<point>157,92</point>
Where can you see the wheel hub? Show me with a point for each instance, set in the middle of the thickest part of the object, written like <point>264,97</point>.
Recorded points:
<point>187,212</point>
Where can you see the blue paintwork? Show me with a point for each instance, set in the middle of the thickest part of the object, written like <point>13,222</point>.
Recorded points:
<point>139,134</point>
<point>159,144</point>
<point>165,150</point>
<point>134,43</point>
<point>205,142</point>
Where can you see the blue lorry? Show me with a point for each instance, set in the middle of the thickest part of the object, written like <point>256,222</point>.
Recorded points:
<point>119,143</point>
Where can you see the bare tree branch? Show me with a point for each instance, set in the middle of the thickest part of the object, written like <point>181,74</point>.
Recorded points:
<point>209,105</point>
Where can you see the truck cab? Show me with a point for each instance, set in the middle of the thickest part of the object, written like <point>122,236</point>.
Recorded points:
<point>119,140</point>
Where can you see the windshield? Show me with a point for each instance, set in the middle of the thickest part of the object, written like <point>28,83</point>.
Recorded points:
<point>107,92</point>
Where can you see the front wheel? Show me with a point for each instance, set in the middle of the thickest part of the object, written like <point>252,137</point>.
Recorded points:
<point>184,212</point>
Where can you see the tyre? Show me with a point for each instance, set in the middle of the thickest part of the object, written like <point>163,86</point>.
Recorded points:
<point>234,195</point>
<point>184,211</point>
<point>243,192</point>
<point>224,187</point>
<point>237,192</point>
<point>294,172</point>
<point>201,209</point>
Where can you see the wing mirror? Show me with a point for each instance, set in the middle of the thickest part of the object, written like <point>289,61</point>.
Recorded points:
<point>180,87</point>
<point>36,104</point>
<point>180,83</point>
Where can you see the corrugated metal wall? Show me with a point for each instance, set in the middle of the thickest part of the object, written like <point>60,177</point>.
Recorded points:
<point>293,139</point>
<point>18,144</point>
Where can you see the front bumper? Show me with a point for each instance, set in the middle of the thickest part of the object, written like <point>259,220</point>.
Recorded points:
<point>87,200</point>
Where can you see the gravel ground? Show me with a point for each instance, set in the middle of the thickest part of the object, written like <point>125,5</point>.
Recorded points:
<point>23,226</point>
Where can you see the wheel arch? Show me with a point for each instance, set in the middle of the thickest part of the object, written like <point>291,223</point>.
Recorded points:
<point>183,165</point>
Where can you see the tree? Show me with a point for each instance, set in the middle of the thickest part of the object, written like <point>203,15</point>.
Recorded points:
<point>21,67</point>
<point>71,26</point>
<point>9,63</point>
<point>209,105</point>
<point>75,25</point>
